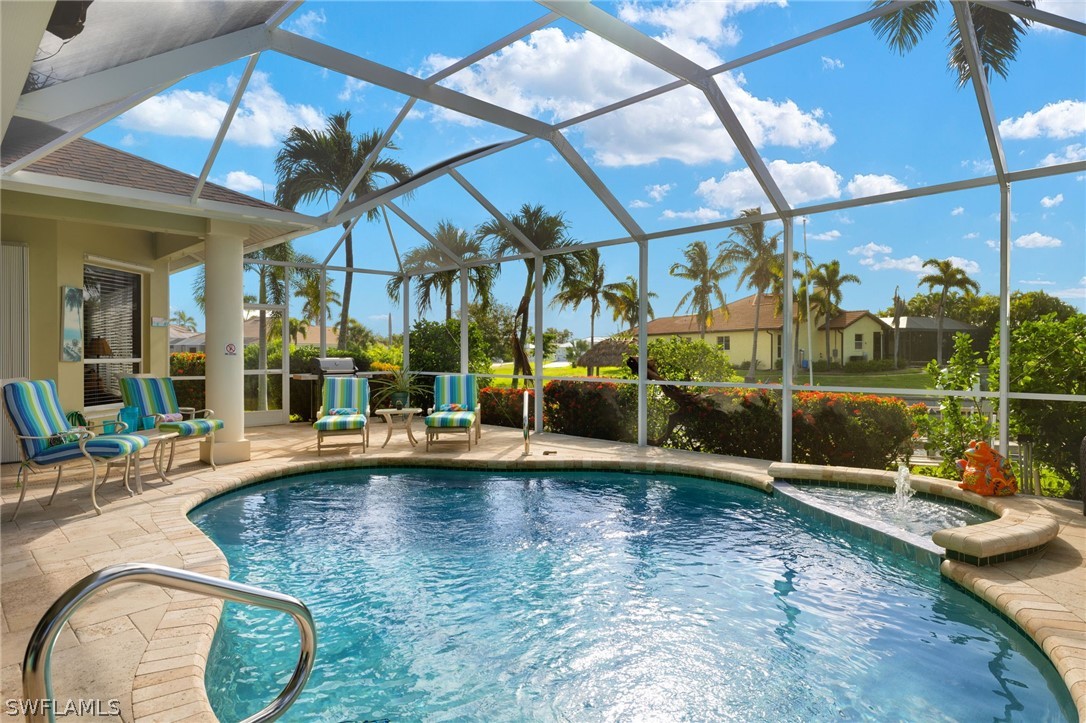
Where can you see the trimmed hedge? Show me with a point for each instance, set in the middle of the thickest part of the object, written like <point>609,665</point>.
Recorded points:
<point>858,430</point>
<point>505,407</point>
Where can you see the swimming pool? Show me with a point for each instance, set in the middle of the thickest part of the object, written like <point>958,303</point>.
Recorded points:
<point>451,594</point>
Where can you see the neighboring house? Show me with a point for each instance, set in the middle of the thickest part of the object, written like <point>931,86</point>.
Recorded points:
<point>919,335</point>
<point>196,342</point>
<point>853,334</point>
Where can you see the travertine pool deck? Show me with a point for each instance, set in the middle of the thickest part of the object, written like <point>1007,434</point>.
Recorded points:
<point>146,646</point>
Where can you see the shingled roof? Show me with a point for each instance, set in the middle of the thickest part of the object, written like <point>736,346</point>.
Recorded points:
<point>87,160</point>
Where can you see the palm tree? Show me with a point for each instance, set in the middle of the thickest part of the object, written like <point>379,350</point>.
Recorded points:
<point>312,165</point>
<point>997,33</point>
<point>183,320</point>
<point>546,231</point>
<point>706,274</point>
<point>421,260</point>
<point>309,290</point>
<point>585,285</point>
<point>827,281</point>
<point>947,276</point>
<point>754,254</point>
<point>625,302</point>
<point>776,290</point>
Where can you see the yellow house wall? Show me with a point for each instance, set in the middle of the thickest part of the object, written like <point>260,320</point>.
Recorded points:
<point>57,249</point>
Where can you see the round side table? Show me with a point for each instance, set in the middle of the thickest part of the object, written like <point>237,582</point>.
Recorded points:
<point>404,417</point>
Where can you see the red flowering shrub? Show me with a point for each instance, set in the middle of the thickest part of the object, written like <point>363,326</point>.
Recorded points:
<point>590,408</point>
<point>739,422</point>
<point>188,364</point>
<point>505,407</point>
<point>854,430</point>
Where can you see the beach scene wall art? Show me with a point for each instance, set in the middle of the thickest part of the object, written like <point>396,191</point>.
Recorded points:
<point>71,323</point>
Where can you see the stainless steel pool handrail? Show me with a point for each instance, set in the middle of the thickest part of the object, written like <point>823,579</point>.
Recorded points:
<point>37,679</point>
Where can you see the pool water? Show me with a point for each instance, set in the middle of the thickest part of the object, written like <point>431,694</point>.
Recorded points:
<point>920,515</point>
<point>505,596</point>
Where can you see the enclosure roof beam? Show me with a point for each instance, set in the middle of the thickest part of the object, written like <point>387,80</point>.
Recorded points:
<point>340,61</point>
<point>317,267</point>
<point>493,211</point>
<point>610,28</point>
<point>342,237</point>
<point>280,16</point>
<point>224,126</point>
<point>1038,16</point>
<point>453,256</point>
<point>595,184</point>
<point>967,32</point>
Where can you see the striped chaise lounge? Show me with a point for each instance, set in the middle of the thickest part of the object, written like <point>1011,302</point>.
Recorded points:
<point>155,396</point>
<point>345,408</point>
<point>46,439</point>
<point>456,408</point>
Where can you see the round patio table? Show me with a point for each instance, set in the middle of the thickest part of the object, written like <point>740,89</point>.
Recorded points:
<point>404,416</point>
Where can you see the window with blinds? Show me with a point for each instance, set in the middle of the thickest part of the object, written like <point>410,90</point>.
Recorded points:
<point>112,325</point>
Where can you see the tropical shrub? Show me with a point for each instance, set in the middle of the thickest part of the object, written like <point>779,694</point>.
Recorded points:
<point>505,407</point>
<point>189,364</point>
<point>585,409</point>
<point>869,365</point>
<point>853,430</point>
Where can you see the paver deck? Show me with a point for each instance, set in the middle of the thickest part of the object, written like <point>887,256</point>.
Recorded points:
<point>146,647</point>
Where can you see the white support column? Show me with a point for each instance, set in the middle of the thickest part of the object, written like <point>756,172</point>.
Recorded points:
<point>786,345</point>
<point>225,381</point>
<point>324,313</point>
<point>1004,316</point>
<point>407,323</point>
<point>464,320</point>
<point>538,376</point>
<point>642,343</point>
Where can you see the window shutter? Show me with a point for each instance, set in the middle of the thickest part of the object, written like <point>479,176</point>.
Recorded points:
<point>112,326</point>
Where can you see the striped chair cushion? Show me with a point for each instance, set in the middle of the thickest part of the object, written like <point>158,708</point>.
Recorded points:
<point>450,419</point>
<point>151,395</point>
<point>35,410</point>
<point>192,427</point>
<point>104,447</point>
<point>346,393</point>
<point>340,423</point>
<point>456,389</point>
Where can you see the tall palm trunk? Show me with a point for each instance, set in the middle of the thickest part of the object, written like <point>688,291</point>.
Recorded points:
<point>345,307</point>
<point>939,329</point>
<point>897,339</point>
<point>826,331</point>
<point>522,312</point>
<point>591,338</point>
<point>751,373</point>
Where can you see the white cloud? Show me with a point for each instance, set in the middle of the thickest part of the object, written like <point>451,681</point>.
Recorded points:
<point>832,63</point>
<point>844,218</point>
<point>870,249</point>
<point>1037,240</point>
<point>308,24</point>
<point>701,214</point>
<point>913,264</point>
<point>1074,9</point>
<point>638,203</point>
<point>831,235</point>
<point>243,182</point>
<point>957,211</point>
<point>971,234</point>
<point>352,89</point>
<point>1071,154</point>
<point>692,20</point>
<point>1036,282</point>
<point>263,117</point>
<point>657,191</point>
<point>992,244</point>
<point>1064,119</point>
<point>799,182</point>
<point>1052,201</point>
<point>544,76</point>
<point>873,185</point>
<point>128,140</point>
<point>984,166</point>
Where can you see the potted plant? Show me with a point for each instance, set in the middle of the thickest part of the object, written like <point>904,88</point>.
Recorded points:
<point>397,389</point>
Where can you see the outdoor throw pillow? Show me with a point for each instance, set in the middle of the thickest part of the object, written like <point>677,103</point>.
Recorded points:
<point>58,439</point>
<point>342,411</point>
<point>174,417</point>
<point>451,408</point>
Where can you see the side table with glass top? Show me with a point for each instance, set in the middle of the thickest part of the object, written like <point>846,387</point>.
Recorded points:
<point>155,442</point>
<point>404,416</point>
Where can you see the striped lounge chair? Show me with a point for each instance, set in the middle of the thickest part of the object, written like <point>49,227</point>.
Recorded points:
<point>345,407</point>
<point>456,408</point>
<point>47,440</point>
<point>155,396</point>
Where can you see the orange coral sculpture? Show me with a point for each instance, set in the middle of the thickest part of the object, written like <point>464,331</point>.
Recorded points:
<point>986,471</point>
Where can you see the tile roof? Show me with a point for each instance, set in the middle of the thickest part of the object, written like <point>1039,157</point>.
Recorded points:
<point>87,160</point>
<point>739,316</point>
<point>847,318</point>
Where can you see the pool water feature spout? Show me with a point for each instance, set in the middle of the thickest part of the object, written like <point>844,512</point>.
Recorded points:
<point>903,490</point>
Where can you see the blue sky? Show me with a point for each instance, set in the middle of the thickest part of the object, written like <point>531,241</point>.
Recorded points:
<point>838,118</point>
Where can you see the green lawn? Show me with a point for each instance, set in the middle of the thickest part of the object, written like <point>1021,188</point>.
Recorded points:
<point>902,379</point>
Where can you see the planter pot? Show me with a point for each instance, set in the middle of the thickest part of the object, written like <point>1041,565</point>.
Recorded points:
<point>400,399</point>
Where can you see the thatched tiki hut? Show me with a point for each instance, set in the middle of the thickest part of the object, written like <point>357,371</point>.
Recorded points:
<point>607,353</point>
